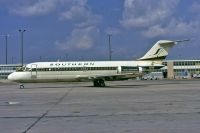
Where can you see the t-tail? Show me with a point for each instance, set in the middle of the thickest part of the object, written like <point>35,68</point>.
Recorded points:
<point>160,50</point>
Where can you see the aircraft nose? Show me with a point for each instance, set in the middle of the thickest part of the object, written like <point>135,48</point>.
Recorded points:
<point>10,76</point>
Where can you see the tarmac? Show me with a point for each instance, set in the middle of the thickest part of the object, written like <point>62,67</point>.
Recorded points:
<point>162,106</point>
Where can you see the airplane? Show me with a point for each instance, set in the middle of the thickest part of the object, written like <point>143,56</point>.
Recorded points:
<point>96,71</point>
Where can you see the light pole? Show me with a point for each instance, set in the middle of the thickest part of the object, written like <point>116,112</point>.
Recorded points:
<point>22,47</point>
<point>109,43</point>
<point>6,39</point>
<point>6,48</point>
<point>12,59</point>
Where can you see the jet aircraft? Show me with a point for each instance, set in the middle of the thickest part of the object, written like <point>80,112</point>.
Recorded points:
<point>96,71</point>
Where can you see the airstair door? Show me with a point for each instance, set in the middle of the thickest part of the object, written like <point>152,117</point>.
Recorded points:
<point>33,71</point>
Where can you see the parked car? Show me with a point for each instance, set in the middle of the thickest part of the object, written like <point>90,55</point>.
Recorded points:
<point>153,76</point>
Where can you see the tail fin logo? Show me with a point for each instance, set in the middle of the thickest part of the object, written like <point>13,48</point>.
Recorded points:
<point>158,51</point>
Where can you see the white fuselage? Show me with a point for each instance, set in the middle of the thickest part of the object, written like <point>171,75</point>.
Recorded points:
<point>98,71</point>
<point>77,71</point>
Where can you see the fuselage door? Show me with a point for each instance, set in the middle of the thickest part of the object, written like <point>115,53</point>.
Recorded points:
<point>34,71</point>
<point>84,68</point>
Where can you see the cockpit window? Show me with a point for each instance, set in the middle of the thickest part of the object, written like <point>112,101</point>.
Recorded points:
<point>19,69</point>
<point>22,69</point>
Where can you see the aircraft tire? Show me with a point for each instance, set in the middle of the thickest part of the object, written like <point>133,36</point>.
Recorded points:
<point>95,83</point>
<point>21,86</point>
<point>99,83</point>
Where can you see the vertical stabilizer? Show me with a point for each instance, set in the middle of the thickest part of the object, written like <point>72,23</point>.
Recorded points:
<point>160,50</point>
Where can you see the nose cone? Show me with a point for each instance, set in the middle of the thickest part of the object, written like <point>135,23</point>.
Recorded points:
<point>19,76</point>
<point>10,77</point>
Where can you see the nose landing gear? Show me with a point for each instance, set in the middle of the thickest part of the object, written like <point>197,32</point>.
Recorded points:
<point>21,86</point>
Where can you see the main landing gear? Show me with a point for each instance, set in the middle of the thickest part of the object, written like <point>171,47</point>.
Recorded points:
<point>99,83</point>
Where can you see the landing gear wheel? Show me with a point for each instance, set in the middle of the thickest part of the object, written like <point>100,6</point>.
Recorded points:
<point>95,83</point>
<point>21,86</point>
<point>99,83</point>
<point>102,83</point>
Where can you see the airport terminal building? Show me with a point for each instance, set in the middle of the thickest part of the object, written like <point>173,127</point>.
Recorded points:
<point>181,68</point>
<point>173,69</point>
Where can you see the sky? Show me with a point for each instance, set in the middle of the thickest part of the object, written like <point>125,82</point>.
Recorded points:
<point>78,29</point>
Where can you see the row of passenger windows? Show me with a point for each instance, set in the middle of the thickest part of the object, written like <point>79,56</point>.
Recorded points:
<point>129,69</point>
<point>75,69</point>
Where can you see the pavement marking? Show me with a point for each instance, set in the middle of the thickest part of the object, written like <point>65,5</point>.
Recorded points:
<point>45,114</point>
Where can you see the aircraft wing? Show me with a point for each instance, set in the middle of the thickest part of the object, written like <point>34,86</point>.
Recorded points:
<point>110,76</point>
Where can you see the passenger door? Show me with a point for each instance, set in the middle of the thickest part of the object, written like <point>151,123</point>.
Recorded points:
<point>33,71</point>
